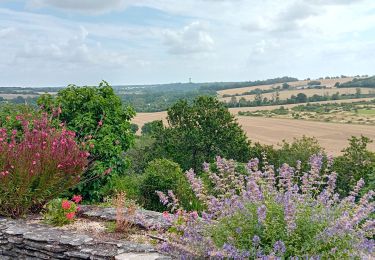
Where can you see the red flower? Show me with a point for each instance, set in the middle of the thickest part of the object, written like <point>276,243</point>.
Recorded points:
<point>70,215</point>
<point>65,204</point>
<point>165,215</point>
<point>77,198</point>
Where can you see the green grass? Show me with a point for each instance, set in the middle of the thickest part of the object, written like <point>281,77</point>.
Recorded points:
<point>366,112</point>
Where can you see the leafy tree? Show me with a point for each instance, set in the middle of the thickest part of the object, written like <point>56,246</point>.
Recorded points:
<point>301,98</point>
<point>153,127</point>
<point>357,162</point>
<point>200,131</point>
<point>97,116</point>
<point>134,128</point>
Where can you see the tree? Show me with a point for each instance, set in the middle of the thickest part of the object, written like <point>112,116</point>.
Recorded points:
<point>98,117</point>
<point>134,128</point>
<point>301,98</point>
<point>357,162</point>
<point>200,131</point>
<point>150,128</point>
<point>285,86</point>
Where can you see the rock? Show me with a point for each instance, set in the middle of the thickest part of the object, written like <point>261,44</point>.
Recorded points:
<point>146,219</point>
<point>146,256</point>
<point>21,240</point>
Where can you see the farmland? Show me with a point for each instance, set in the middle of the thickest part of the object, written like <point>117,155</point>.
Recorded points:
<point>332,136</point>
<point>308,92</point>
<point>329,83</point>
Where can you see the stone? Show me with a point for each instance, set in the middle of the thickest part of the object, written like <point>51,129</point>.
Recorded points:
<point>142,256</point>
<point>21,240</point>
<point>146,219</point>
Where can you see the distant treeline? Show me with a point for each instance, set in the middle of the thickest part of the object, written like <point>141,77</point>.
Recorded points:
<point>294,99</point>
<point>226,85</point>
<point>359,83</point>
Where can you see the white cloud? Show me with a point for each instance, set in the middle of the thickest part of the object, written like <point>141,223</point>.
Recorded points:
<point>88,6</point>
<point>193,38</point>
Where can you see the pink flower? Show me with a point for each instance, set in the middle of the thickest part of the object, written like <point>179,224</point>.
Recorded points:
<point>65,204</point>
<point>166,215</point>
<point>34,162</point>
<point>77,198</point>
<point>100,123</point>
<point>194,214</point>
<point>108,171</point>
<point>70,215</point>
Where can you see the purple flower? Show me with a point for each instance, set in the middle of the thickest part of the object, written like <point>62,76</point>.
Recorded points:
<point>261,213</point>
<point>279,247</point>
<point>256,240</point>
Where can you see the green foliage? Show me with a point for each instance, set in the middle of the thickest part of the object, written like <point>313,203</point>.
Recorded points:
<point>151,128</point>
<point>130,184</point>
<point>163,175</point>
<point>199,132</point>
<point>140,154</point>
<point>134,128</point>
<point>359,83</point>
<point>357,162</point>
<point>98,117</point>
<point>57,212</point>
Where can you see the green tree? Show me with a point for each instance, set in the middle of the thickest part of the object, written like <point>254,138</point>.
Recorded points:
<point>301,98</point>
<point>200,131</point>
<point>134,128</point>
<point>100,120</point>
<point>357,162</point>
<point>153,127</point>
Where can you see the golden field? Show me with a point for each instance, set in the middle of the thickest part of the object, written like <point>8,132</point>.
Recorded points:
<point>332,136</point>
<point>329,83</point>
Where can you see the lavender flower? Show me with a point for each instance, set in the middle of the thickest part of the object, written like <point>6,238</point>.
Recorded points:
<point>279,247</point>
<point>261,211</point>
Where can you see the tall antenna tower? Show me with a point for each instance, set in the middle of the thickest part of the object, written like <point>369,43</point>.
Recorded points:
<point>190,80</point>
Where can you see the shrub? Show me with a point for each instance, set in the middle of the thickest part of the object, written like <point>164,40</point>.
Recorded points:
<point>37,165</point>
<point>60,212</point>
<point>129,184</point>
<point>270,216</point>
<point>164,175</point>
<point>100,120</point>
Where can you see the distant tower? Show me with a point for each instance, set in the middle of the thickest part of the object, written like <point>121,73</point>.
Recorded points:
<point>190,80</point>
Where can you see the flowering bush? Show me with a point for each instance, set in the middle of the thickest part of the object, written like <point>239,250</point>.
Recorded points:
<point>37,163</point>
<point>272,215</point>
<point>61,211</point>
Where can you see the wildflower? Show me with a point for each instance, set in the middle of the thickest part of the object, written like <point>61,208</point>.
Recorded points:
<point>256,240</point>
<point>261,213</point>
<point>65,204</point>
<point>100,123</point>
<point>194,214</point>
<point>279,247</point>
<point>77,198</point>
<point>70,215</point>
<point>162,197</point>
<point>165,215</point>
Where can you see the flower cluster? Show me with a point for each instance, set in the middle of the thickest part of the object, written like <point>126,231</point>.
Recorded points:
<point>37,163</point>
<point>59,212</point>
<point>271,214</point>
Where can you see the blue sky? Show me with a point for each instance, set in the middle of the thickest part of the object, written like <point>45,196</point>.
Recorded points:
<point>58,42</point>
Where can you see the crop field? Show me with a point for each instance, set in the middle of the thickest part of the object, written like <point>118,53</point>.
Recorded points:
<point>308,92</point>
<point>332,136</point>
<point>329,83</point>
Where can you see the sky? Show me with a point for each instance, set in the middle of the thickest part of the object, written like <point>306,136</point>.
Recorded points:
<point>61,42</point>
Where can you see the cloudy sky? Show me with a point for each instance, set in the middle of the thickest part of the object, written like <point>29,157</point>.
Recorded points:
<point>57,42</point>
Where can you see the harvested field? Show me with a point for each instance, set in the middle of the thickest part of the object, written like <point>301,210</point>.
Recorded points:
<point>235,110</point>
<point>329,83</point>
<point>308,92</point>
<point>332,136</point>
